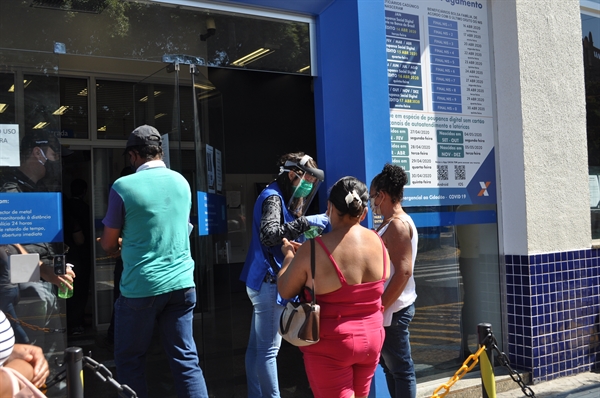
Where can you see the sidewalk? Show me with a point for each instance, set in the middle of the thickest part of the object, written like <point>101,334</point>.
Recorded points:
<point>582,385</point>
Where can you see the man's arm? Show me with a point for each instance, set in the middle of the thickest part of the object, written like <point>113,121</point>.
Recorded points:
<point>113,224</point>
<point>110,241</point>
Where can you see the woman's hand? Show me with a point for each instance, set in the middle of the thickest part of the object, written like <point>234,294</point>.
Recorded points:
<point>289,247</point>
<point>35,357</point>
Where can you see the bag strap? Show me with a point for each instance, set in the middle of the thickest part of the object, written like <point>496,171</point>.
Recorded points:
<point>312,269</point>
<point>20,248</point>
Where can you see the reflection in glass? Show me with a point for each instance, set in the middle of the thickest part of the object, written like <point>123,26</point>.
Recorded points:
<point>41,101</point>
<point>114,110</point>
<point>7,99</point>
<point>73,109</point>
<point>458,286</point>
<point>590,26</point>
<point>147,31</point>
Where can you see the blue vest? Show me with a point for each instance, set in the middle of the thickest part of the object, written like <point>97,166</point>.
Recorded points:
<point>258,260</point>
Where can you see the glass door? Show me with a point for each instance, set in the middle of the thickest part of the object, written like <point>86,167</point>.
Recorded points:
<point>30,137</point>
<point>186,108</point>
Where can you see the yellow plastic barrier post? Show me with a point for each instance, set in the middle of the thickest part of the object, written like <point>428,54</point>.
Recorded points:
<point>486,360</point>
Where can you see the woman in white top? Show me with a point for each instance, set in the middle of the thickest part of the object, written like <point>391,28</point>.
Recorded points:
<point>27,360</point>
<point>399,234</point>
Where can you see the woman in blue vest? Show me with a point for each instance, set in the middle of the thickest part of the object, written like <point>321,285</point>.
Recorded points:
<point>278,213</point>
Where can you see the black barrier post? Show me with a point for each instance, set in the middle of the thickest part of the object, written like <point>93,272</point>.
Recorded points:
<point>74,362</point>
<point>486,360</point>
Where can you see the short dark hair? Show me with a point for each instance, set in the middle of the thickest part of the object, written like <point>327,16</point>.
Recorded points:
<point>148,152</point>
<point>349,195</point>
<point>392,180</point>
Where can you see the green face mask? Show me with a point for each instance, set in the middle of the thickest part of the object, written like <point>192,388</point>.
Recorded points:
<point>303,189</point>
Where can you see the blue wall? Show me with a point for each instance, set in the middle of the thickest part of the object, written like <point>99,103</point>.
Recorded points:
<point>351,93</point>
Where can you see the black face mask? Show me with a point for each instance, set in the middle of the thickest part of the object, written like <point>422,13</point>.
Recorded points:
<point>52,166</point>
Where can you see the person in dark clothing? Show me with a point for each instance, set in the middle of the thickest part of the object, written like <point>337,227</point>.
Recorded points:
<point>40,154</point>
<point>77,235</point>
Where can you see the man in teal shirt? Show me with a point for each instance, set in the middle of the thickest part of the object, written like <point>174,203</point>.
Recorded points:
<point>150,210</point>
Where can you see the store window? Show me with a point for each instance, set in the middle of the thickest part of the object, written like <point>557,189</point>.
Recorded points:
<point>7,98</point>
<point>590,24</point>
<point>73,108</point>
<point>149,30</point>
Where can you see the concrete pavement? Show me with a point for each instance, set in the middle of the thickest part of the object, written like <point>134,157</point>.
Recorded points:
<point>582,385</point>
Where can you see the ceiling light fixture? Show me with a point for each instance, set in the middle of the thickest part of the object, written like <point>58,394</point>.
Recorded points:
<point>40,125</point>
<point>103,128</point>
<point>204,86</point>
<point>145,99</point>
<point>253,56</point>
<point>204,96</point>
<point>159,115</point>
<point>61,111</point>
<point>303,69</point>
<point>25,84</point>
<point>3,107</point>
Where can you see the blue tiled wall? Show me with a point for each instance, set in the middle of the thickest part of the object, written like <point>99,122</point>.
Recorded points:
<point>553,309</point>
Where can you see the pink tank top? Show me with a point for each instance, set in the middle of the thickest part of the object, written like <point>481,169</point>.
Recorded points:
<point>352,301</point>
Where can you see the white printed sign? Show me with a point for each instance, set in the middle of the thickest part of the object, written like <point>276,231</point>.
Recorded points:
<point>9,145</point>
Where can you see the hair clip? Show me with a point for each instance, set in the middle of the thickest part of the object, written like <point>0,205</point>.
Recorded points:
<point>351,197</point>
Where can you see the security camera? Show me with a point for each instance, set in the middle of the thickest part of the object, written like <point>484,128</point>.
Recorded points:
<point>210,29</point>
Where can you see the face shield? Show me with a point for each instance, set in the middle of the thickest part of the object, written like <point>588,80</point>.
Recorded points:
<point>306,184</point>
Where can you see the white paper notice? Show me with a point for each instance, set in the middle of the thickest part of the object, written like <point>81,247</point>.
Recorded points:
<point>9,145</point>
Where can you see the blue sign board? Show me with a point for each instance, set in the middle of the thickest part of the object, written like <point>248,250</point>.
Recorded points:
<point>31,217</point>
<point>212,214</point>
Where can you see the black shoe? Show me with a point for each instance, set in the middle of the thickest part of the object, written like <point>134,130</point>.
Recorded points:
<point>106,343</point>
<point>77,330</point>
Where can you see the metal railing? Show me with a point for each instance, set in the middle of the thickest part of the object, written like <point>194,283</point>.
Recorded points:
<point>487,346</point>
<point>75,362</point>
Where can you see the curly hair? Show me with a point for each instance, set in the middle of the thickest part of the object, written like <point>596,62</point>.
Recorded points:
<point>392,180</point>
<point>349,196</point>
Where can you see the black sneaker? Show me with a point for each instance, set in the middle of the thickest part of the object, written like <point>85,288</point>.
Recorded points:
<point>78,330</point>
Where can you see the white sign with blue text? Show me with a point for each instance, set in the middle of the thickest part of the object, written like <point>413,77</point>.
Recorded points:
<point>440,98</point>
<point>31,217</point>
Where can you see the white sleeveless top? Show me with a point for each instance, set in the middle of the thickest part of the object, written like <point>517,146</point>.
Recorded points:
<point>409,295</point>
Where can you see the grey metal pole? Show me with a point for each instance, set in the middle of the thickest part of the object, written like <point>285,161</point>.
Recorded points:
<point>74,363</point>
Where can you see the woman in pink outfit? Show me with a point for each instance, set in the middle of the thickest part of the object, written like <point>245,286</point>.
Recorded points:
<point>351,267</point>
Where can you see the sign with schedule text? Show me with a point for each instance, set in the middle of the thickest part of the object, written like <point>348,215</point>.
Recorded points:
<point>440,98</point>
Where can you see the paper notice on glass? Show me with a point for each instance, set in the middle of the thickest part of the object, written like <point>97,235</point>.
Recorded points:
<point>9,145</point>
<point>594,191</point>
